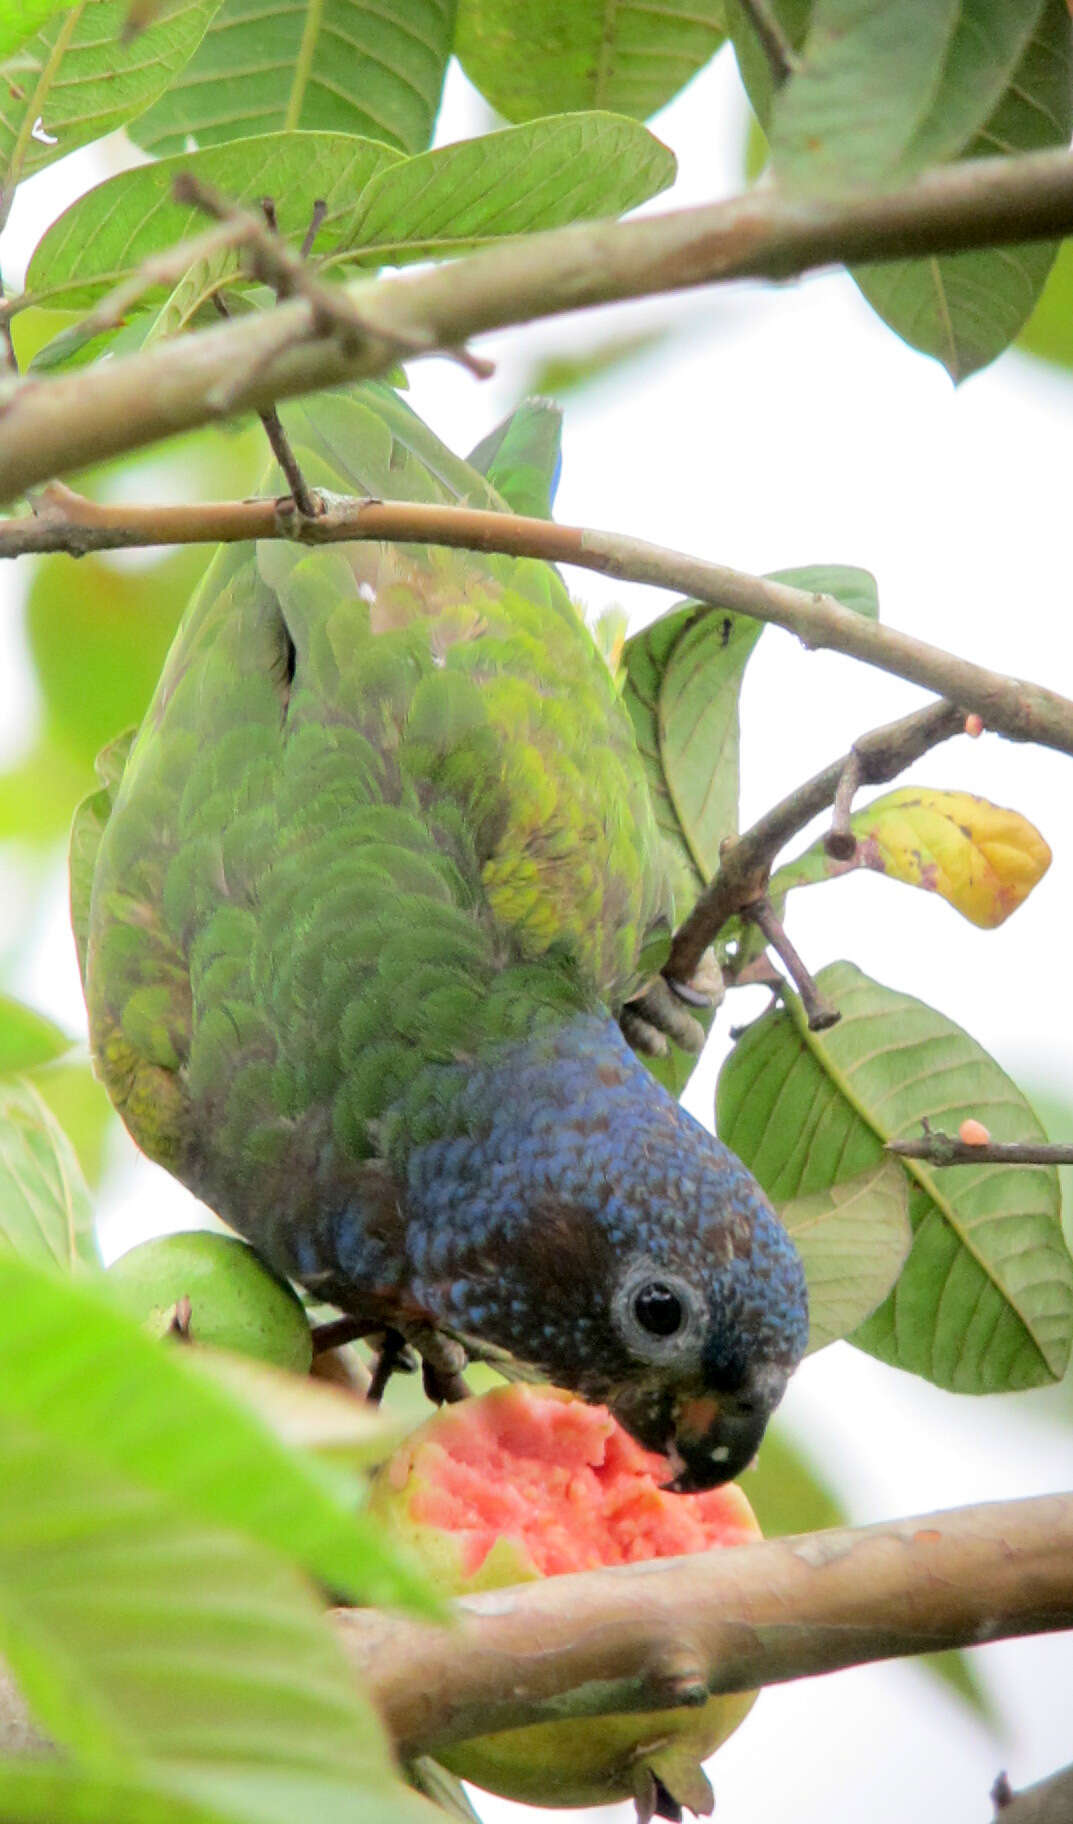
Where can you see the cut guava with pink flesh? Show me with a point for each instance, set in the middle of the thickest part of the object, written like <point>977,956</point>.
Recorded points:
<point>524,1483</point>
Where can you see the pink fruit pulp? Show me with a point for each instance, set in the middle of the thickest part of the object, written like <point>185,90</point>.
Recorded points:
<point>560,1478</point>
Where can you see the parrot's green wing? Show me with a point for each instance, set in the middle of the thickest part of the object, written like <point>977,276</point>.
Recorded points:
<point>385,807</point>
<point>522,457</point>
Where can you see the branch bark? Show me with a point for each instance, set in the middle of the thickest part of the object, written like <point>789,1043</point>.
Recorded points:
<point>746,861</point>
<point>50,427</point>
<point>1010,706</point>
<point>1050,1801</point>
<point>944,1149</point>
<point>647,1636</point>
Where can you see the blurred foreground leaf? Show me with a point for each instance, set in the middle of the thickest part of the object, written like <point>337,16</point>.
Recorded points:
<point>72,1366</point>
<point>45,1211</point>
<point>27,1038</point>
<point>147,1641</point>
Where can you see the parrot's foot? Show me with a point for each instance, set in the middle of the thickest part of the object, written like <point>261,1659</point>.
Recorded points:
<point>394,1357</point>
<point>660,1011</point>
<point>442,1362</point>
<point>705,987</point>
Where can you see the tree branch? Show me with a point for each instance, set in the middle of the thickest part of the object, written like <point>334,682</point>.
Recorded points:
<point>646,1636</point>
<point>50,427</point>
<point>944,1149</point>
<point>1011,706</point>
<point>746,860</point>
<point>1050,1801</point>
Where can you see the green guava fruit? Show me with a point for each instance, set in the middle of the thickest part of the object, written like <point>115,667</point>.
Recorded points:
<point>236,1302</point>
<point>527,1482</point>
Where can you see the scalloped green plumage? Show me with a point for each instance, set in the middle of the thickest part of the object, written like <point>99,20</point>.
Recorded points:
<point>430,735</point>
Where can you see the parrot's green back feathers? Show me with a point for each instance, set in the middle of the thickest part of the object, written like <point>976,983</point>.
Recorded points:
<point>384,809</point>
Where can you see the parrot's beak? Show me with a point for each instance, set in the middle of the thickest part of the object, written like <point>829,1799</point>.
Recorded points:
<point>717,1435</point>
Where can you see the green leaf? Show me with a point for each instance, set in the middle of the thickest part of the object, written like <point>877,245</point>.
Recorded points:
<point>98,637</point>
<point>786,1493</point>
<point>75,80</point>
<point>793,18</point>
<point>335,66</point>
<point>531,57</point>
<point>957,1672</point>
<point>863,81</point>
<point>965,308</point>
<point>1048,334</point>
<point>27,1039</point>
<point>45,1211</point>
<point>143,1639</point>
<point>55,1792</point>
<point>106,235</point>
<point>882,92</point>
<point>566,168</point>
<point>443,1788</point>
<point>853,1239</point>
<point>985,1300</point>
<point>71,1365</point>
<point>682,678</point>
<point>20,19</point>
<point>613,358</point>
<point>80,1104</point>
<point>854,588</point>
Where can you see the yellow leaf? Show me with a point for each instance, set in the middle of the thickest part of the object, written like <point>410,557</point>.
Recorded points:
<point>985,860</point>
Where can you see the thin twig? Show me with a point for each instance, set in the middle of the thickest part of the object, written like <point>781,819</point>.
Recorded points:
<point>946,1149</point>
<point>161,269</point>
<point>319,211</point>
<point>1014,707</point>
<point>280,445</point>
<point>9,361</point>
<point>334,312</point>
<point>839,842</point>
<point>55,427</point>
<point>819,1013</point>
<point>772,40</point>
<point>746,861</point>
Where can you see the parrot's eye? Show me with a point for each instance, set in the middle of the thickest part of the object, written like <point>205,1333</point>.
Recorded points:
<point>659,1315</point>
<point>658,1310</point>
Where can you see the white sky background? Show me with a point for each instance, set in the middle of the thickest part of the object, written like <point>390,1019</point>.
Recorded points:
<point>790,427</point>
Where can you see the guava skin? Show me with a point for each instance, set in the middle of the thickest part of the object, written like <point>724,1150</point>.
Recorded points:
<point>235,1301</point>
<point>447,1494</point>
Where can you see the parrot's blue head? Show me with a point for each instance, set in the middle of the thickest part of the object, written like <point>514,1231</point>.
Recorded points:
<point>581,1224</point>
